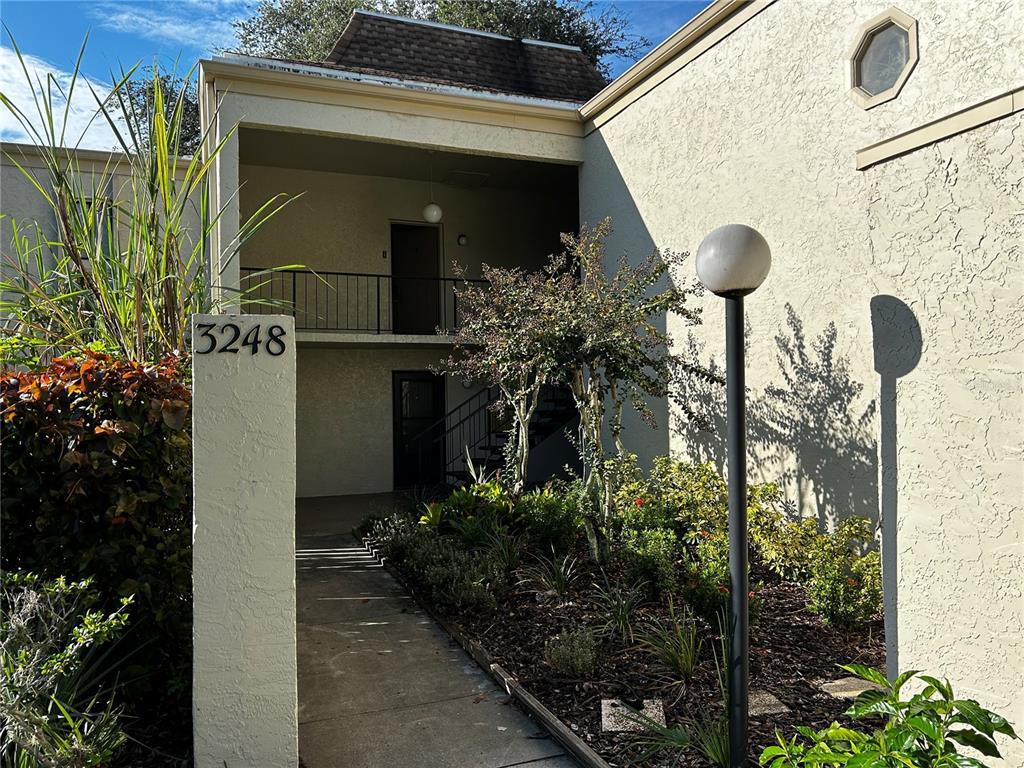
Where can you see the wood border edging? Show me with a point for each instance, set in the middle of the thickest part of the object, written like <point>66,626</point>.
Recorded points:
<point>561,733</point>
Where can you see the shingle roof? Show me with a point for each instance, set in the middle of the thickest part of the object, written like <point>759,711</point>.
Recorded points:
<point>410,49</point>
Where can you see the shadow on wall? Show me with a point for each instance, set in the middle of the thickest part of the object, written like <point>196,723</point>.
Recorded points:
<point>897,342</point>
<point>809,432</point>
<point>604,193</point>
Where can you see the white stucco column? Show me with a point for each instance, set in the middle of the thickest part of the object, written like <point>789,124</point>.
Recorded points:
<point>243,429</point>
<point>225,275</point>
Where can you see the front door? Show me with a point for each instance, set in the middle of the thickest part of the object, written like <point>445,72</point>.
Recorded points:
<point>419,428</point>
<point>415,269</point>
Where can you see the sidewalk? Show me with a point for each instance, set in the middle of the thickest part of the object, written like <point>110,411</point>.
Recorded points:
<point>380,685</point>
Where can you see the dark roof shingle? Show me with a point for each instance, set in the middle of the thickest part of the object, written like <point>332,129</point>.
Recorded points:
<point>392,46</point>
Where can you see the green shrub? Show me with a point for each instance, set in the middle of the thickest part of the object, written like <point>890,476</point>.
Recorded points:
<point>550,517</point>
<point>98,483</point>
<point>925,730</point>
<point>649,556</point>
<point>845,582</point>
<point>456,578</point>
<point>692,501</point>
<point>572,653</point>
<point>56,692</point>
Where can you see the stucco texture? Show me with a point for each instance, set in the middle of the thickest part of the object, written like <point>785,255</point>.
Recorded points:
<point>344,416</point>
<point>245,700</point>
<point>912,403</point>
<point>342,222</point>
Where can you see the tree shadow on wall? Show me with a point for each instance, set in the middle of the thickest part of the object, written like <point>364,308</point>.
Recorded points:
<point>807,430</point>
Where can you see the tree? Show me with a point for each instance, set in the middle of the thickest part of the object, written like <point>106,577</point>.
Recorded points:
<point>501,341</point>
<point>140,94</point>
<point>571,22</point>
<point>607,347</point>
<point>308,29</point>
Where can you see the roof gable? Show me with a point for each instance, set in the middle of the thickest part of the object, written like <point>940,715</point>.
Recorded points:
<point>410,49</point>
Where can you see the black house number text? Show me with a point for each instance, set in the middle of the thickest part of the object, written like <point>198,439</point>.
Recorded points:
<point>225,337</point>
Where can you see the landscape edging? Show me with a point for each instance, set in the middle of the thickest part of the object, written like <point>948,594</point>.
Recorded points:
<point>578,748</point>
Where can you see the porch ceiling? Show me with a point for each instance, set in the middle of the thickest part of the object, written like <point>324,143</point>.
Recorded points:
<point>338,155</point>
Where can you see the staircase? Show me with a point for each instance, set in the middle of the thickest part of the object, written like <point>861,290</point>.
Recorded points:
<point>474,427</point>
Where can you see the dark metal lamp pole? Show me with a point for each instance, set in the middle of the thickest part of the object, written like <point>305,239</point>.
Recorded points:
<point>733,261</point>
<point>739,668</point>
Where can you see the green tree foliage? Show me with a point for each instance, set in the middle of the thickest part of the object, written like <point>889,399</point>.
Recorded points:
<point>502,340</point>
<point>605,342</point>
<point>142,94</point>
<point>599,31</point>
<point>308,29</point>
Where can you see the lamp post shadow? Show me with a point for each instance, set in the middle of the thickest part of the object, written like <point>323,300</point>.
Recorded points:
<point>897,343</point>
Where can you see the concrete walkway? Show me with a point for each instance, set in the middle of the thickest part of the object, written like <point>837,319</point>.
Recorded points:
<point>380,685</point>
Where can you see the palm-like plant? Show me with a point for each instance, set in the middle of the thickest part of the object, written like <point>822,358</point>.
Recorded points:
<point>127,263</point>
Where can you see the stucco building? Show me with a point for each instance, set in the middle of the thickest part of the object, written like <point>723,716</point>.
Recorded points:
<point>879,150</point>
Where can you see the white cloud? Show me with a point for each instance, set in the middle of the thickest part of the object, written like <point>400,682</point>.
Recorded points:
<point>82,127</point>
<point>191,24</point>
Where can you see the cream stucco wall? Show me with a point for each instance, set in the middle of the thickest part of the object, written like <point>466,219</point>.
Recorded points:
<point>342,221</point>
<point>344,417</point>
<point>760,130</point>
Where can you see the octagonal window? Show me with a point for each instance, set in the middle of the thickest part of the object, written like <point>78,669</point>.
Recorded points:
<point>885,56</point>
<point>882,58</point>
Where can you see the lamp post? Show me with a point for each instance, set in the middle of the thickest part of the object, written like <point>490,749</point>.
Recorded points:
<point>733,261</point>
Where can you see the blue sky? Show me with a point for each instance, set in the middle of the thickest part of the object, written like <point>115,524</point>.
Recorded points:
<point>124,32</point>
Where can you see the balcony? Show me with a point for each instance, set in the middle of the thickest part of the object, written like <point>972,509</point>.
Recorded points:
<point>355,303</point>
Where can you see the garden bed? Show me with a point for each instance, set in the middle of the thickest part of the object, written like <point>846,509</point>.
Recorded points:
<point>792,649</point>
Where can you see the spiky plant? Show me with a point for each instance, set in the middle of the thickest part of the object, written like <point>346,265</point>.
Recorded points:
<point>673,642</point>
<point>126,265</point>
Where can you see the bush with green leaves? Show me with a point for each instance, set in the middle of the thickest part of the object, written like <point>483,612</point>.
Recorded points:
<point>97,459</point>
<point>59,684</point>
<point>692,502</point>
<point>928,729</point>
<point>550,517</point>
<point>650,556</point>
<point>573,653</point>
<point>844,585</point>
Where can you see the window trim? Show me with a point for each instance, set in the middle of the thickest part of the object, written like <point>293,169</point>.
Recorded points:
<point>893,15</point>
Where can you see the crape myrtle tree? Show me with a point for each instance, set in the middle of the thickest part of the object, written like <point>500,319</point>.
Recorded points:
<point>593,330</point>
<point>502,341</point>
<point>608,348</point>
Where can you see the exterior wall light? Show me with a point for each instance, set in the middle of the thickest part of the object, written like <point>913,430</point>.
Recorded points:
<point>733,261</point>
<point>432,213</point>
<point>462,240</point>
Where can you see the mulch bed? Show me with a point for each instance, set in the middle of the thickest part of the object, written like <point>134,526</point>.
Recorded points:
<point>791,649</point>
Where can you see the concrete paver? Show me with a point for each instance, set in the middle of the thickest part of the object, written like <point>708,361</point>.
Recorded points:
<point>379,683</point>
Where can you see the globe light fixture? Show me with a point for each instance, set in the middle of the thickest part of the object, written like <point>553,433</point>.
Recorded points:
<point>432,213</point>
<point>732,262</point>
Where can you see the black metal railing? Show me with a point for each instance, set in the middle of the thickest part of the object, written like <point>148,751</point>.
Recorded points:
<point>352,301</point>
<point>476,429</point>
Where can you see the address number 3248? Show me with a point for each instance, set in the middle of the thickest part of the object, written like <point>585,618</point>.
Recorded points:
<point>227,337</point>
